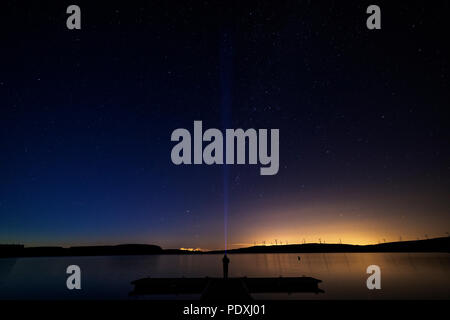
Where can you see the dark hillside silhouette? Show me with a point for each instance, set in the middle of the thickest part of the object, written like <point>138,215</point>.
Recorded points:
<point>428,245</point>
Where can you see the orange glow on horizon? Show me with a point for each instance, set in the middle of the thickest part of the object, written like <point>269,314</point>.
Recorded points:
<point>355,222</point>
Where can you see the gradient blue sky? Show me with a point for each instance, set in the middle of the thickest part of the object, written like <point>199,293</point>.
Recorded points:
<point>86,118</point>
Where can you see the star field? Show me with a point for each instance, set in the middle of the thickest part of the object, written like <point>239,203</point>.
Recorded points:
<point>86,118</point>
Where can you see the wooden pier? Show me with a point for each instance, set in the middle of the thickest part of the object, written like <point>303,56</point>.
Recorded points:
<point>217,289</point>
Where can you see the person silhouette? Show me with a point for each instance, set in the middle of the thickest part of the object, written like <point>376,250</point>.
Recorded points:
<point>225,262</point>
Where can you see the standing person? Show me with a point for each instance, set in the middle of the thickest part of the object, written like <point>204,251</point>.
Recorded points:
<point>225,262</point>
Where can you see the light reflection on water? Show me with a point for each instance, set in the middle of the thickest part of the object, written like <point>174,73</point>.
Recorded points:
<point>403,275</point>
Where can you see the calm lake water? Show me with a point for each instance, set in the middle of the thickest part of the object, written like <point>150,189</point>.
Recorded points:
<point>403,275</point>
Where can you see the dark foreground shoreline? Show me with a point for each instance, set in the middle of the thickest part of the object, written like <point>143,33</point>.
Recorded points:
<point>429,245</point>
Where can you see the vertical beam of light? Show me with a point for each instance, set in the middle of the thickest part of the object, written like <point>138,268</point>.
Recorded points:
<point>226,66</point>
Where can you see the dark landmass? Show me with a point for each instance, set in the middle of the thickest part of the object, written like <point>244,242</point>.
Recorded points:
<point>124,249</point>
<point>429,245</point>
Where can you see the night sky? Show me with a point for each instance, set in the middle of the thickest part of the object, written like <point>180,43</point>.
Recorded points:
<point>86,118</point>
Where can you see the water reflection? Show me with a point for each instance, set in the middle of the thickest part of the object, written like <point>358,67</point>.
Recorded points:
<point>6,266</point>
<point>403,275</point>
